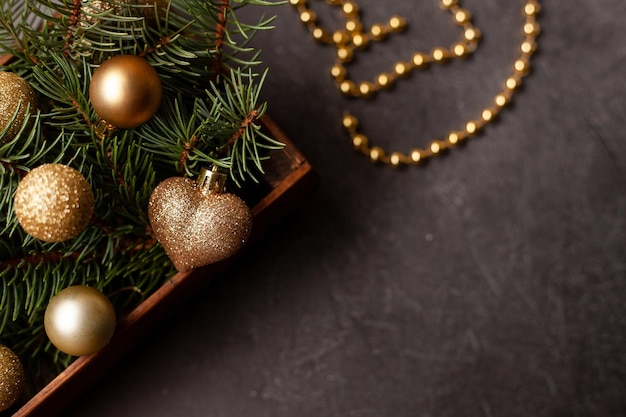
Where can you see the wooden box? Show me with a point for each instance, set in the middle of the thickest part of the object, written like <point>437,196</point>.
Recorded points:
<point>289,178</point>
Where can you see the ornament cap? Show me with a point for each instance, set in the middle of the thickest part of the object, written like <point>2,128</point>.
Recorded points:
<point>103,128</point>
<point>211,181</point>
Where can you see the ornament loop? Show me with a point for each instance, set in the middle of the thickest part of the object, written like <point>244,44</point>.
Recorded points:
<point>211,181</point>
<point>103,129</point>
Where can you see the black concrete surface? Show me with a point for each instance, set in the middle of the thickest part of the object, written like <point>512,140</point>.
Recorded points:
<point>488,282</point>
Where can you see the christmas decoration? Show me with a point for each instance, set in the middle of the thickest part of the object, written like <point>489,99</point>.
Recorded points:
<point>91,9</point>
<point>11,378</point>
<point>355,39</point>
<point>18,101</point>
<point>79,320</point>
<point>77,54</point>
<point>125,91</point>
<point>54,203</point>
<point>197,222</point>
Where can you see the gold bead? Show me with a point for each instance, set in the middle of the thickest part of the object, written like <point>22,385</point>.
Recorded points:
<point>487,115</point>
<point>512,83</point>
<point>439,54</point>
<point>471,34</point>
<point>395,159</point>
<point>350,122</point>
<point>459,49</point>
<point>359,141</point>
<point>419,59</point>
<point>401,69</point>
<point>354,26</point>
<point>528,47</point>
<point>521,65</point>
<point>350,8</point>
<point>397,23</point>
<point>366,88</point>
<point>319,34</point>
<point>359,40</point>
<point>531,29</point>
<point>462,16</point>
<point>340,37</point>
<point>345,54</point>
<point>435,147</point>
<point>471,127</point>
<point>384,80</point>
<point>376,154</point>
<point>416,155</point>
<point>531,8</point>
<point>453,137</point>
<point>446,4</point>
<point>338,72</point>
<point>347,87</point>
<point>502,99</point>
<point>307,16</point>
<point>378,32</point>
<point>296,2</point>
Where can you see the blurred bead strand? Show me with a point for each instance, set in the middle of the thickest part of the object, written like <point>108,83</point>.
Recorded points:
<point>471,37</point>
<point>472,127</point>
<point>353,37</point>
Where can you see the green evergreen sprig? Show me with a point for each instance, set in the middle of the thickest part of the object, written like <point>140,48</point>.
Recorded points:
<point>209,115</point>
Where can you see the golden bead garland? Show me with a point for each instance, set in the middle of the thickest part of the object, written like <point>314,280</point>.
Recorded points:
<point>354,38</point>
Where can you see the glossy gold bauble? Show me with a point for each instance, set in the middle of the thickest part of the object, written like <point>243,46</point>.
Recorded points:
<point>79,320</point>
<point>11,378</point>
<point>53,203</point>
<point>196,222</point>
<point>125,91</point>
<point>17,102</point>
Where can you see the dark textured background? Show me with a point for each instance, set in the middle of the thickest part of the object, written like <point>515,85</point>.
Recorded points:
<point>489,282</point>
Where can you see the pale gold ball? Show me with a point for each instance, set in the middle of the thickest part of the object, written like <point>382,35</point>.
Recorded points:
<point>16,95</point>
<point>11,378</point>
<point>79,320</point>
<point>125,91</point>
<point>54,203</point>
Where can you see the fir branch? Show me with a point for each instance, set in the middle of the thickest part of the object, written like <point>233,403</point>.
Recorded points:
<point>209,115</point>
<point>220,34</point>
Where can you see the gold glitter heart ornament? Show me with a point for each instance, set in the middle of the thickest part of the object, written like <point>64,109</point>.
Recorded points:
<point>196,221</point>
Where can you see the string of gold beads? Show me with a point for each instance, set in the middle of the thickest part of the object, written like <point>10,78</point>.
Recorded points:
<point>353,38</point>
<point>521,68</point>
<point>346,45</point>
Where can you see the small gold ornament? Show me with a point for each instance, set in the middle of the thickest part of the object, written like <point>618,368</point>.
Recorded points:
<point>92,8</point>
<point>197,222</point>
<point>16,95</point>
<point>125,91</point>
<point>54,203</point>
<point>79,320</point>
<point>11,378</point>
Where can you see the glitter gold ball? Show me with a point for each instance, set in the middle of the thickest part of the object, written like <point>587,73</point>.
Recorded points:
<point>79,320</point>
<point>54,203</point>
<point>11,377</point>
<point>15,96</point>
<point>125,91</point>
<point>197,229</point>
